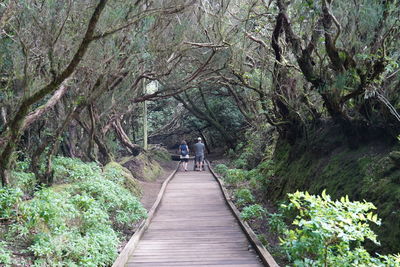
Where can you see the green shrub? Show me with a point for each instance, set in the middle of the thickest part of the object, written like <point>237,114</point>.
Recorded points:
<point>5,255</point>
<point>234,177</point>
<point>73,169</point>
<point>276,223</point>
<point>47,211</point>
<point>26,181</point>
<point>257,180</point>
<point>330,233</point>
<point>123,208</point>
<point>9,200</point>
<point>244,197</point>
<point>74,225</point>
<point>221,169</point>
<point>252,212</point>
<point>241,162</point>
<point>118,174</point>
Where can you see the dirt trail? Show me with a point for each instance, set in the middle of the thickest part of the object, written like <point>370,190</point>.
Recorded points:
<point>151,189</point>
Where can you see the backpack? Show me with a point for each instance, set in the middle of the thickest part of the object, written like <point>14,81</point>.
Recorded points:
<point>184,151</point>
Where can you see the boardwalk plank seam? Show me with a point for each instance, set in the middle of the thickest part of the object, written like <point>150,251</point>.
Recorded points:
<point>134,240</point>
<point>220,240</point>
<point>265,256</point>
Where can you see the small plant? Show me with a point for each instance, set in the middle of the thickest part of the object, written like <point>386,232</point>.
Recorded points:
<point>276,223</point>
<point>221,169</point>
<point>9,200</point>
<point>252,212</point>
<point>26,181</point>
<point>330,233</point>
<point>244,197</point>
<point>5,255</point>
<point>234,177</point>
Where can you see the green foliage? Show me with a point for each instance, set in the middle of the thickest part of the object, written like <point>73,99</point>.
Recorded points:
<point>244,197</point>
<point>73,169</point>
<point>248,154</point>
<point>234,177</point>
<point>243,153</point>
<point>118,174</point>
<point>330,233</point>
<point>76,224</point>
<point>123,208</point>
<point>328,163</point>
<point>5,255</point>
<point>260,177</point>
<point>26,181</point>
<point>252,212</point>
<point>160,154</point>
<point>276,223</point>
<point>221,169</point>
<point>9,200</point>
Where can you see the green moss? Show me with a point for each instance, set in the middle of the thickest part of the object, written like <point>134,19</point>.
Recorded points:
<point>151,169</point>
<point>142,167</point>
<point>160,154</point>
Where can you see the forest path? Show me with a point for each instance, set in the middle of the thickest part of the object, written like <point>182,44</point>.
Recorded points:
<point>193,227</point>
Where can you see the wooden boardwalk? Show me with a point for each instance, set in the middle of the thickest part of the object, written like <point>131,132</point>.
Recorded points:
<point>193,227</point>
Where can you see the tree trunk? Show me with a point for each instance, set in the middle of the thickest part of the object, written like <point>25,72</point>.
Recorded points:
<point>124,139</point>
<point>16,123</point>
<point>104,151</point>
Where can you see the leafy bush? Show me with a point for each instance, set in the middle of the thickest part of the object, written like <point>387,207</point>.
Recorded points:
<point>5,255</point>
<point>120,175</point>
<point>256,179</point>
<point>244,197</point>
<point>47,211</point>
<point>9,200</point>
<point>120,204</point>
<point>330,233</point>
<point>276,222</point>
<point>73,169</point>
<point>234,177</point>
<point>75,224</point>
<point>252,212</point>
<point>26,181</point>
<point>221,169</point>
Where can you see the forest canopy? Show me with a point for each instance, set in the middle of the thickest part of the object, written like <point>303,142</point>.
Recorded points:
<point>74,73</point>
<point>293,91</point>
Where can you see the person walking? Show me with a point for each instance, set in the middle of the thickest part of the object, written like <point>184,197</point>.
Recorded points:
<point>199,154</point>
<point>184,154</point>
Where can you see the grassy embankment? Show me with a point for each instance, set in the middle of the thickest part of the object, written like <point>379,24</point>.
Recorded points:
<point>80,220</point>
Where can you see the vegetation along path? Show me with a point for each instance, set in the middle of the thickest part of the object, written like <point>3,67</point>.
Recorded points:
<point>194,227</point>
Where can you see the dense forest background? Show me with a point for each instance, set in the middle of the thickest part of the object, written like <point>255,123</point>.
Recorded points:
<point>304,92</point>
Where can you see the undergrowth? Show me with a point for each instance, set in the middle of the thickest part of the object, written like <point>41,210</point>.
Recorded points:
<point>312,230</point>
<point>77,222</point>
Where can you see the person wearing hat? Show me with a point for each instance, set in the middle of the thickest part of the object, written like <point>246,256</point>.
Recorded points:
<point>199,154</point>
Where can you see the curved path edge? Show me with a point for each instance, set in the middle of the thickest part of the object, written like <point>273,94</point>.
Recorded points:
<point>263,253</point>
<point>134,240</point>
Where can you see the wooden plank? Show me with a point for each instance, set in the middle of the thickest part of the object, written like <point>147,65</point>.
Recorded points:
<point>224,262</point>
<point>133,241</point>
<point>193,227</point>
<point>265,256</point>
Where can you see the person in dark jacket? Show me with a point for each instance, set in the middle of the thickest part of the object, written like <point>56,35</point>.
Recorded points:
<point>184,154</point>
